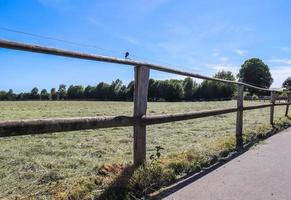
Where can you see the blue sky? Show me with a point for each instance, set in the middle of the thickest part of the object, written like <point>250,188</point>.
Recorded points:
<point>198,36</point>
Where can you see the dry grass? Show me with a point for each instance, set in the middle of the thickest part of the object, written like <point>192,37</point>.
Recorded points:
<point>65,164</point>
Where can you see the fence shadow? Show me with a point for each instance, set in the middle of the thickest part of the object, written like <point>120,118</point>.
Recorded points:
<point>117,190</point>
<point>192,177</point>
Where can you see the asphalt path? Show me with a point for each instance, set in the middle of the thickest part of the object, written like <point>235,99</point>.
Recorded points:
<point>262,173</point>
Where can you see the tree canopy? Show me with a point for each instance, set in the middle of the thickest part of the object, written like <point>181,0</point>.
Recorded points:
<point>217,90</point>
<point>287,83</point>
<point>254,71</point>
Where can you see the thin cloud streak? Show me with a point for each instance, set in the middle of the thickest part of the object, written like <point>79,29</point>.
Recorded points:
<point>240,52</point>
<point>281,61</point>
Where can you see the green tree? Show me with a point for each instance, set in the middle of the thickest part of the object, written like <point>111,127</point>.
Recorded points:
<point>10,95</point>
<point>23,96</point>
<point>122,93</point>
<point>152,93</point>
<point>174,90</point>
<point>189,87</point>
<point>255,72</point>
<point>62,92</point>
<point>225,90</point>
<point>54,94</point>
<point>287,83</point>
<point>75,92</point>
<point>227,75</point>
<point>44,95</point>
<point>212,90</point>
<point>114,89</point>
<point>102,91</point>
<point>162,89</point>
<point>89,92</point>
<point>130,90</point>
<point>3,95</point>
<point>34,94</point>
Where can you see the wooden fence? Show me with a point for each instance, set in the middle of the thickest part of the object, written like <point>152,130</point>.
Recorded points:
<point>139,120</point>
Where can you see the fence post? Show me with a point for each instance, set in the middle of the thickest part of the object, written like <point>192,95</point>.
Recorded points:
<point>272,100</point>
<point>141,83</point>
<point>288,101</point>
<point>239,116</point>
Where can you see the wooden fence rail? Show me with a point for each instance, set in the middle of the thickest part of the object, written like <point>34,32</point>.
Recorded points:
<point>72,54</point>
<point>41,126</point>
<point>26,127</point>
<point>139,120</point>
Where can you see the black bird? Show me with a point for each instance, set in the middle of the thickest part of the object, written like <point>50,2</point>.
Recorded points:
<point>126,55</point>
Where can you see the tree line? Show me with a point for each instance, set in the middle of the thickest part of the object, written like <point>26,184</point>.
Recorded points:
<point>159,90</point>
<point>252,71</point>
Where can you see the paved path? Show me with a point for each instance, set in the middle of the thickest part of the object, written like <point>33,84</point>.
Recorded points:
<point>262,173</point>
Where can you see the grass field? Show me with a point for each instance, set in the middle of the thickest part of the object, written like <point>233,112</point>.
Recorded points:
<point>35,164</point>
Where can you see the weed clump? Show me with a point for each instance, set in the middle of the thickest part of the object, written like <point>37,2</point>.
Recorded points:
<point>150,177</point>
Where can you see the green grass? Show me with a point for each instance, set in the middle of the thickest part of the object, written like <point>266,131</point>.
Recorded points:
<point>42,165</point>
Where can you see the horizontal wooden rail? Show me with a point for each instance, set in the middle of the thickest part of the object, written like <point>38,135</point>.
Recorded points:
<point>27,127</point>
<point>72,54</point>
<point>264,106</point>
<point>159,119</point>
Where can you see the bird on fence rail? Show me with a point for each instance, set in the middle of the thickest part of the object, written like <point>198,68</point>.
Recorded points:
<point>126,55</point>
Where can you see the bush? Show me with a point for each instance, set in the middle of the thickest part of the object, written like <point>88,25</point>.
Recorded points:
<point>255,97</point>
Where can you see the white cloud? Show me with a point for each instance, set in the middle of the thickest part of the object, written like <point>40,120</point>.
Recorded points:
<point>224,59</point>
<point>240,52</point>
<point>223,66</point>
<point>280,70</point>
<point>222,63</point>
<point>280,74</point>
<point>281,61</point>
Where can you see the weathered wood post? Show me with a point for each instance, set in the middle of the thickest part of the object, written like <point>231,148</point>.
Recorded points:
<point>272,100</point>
<point>288,101</point>
<point>239,116</point>
<point>141,83</point>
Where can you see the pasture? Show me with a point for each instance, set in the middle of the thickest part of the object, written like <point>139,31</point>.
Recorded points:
<point>36,164</point>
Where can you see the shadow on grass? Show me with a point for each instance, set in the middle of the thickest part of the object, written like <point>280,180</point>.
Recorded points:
<point>118,189</point>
